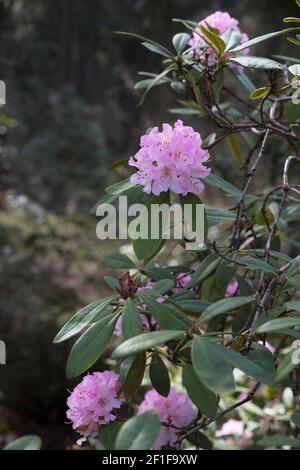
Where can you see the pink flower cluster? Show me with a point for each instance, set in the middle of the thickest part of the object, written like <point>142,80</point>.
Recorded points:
<point>170,160</point>
<point>221,21</point>
<point>176,410</point>
<point>92,403</point>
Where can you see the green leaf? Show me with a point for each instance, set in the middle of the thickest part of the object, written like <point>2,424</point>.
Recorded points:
<point>156,49</point>
<point>82,318</point>
<point>166,316</point>
<point>214,39</point>
<point>135,375</point>
<point>120,187</point>
<point>211,366</point>
<point>157,274</point>
<point>235,148</point>
<point>118,261</point>
<point>293,305</point>
<point>200,440</point>
<point>144,84</point>
<point>107,436</point>
<point>253,62</point>
<point>256,264</point>
<point>224,306</point>
<point>111,281</point>
<point>295,70</point>
<point>291,19</point>
<point>285,368</point>
<point>105,199</point>
<point>159,376</point>
<point>30,442</point>
<point>209,290</point>
<point>264,37</point>
<point>186,111</point>
<point>269,315</point>
<point>193,306</point>
<point>224,274</point>
<point>278,324</point>
<point>250,368</point>
<point>97,444</point>
<point>155,81</point>
<point>260,93</point>
<point>232,39</point>
<point>220,183</point>
<point>145,248</point>
<point>205,400</point>
<point>143,342</point>
<point>155,252</point>
<point>206,268</point>
<point>131,320</point>
<point>286,58</point>
<point>180,42</point>
<point>293,41</point>
<point>261,356</point>
<point>139,432</point>
<point>164,285</point>
<point>89,347</point>
<point>245,81</point>
<point>214,216</point>
<point>118,164</point>
<point>138,37</point>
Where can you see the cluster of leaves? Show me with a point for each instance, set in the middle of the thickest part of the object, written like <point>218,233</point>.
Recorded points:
<point>202,335</point>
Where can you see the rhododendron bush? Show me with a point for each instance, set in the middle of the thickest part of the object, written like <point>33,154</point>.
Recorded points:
<point>200,347</point>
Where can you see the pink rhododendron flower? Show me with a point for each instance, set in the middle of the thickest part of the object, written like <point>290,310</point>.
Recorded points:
<point>92,403</point>
<point>176,410</point>
<point>221,21</point>
<point>231,289</point>
<point>231,427</point>
<point>235,428</point>
<point>170,160</point>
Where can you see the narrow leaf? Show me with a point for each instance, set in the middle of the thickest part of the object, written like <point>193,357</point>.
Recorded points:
<point>135,375</point>
<point>253,62</point>
<point>224,306</point>
<point>260,93</point>
<point>159,376</point>
<point>264,37</point>
<point>118,261</point>
<point>278,324</point>
<point>145,341</point>
<point>131,321</point>
<point>89,347</point>
<point>82,318</point>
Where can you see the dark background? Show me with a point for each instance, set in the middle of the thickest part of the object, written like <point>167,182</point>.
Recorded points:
<point>71,110</point>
